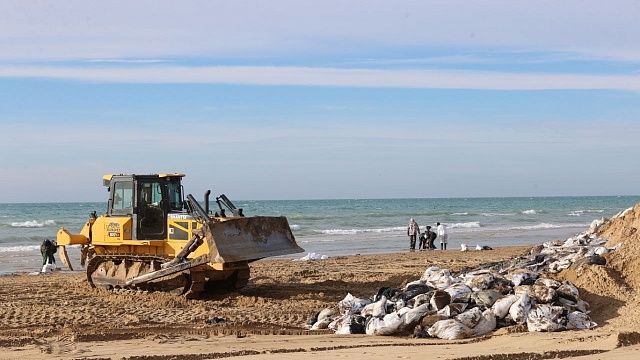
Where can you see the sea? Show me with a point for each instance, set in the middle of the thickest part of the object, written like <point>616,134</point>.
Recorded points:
<point>345,226</point>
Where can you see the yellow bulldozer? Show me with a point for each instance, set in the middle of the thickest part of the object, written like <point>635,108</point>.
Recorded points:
<point>153,239</point>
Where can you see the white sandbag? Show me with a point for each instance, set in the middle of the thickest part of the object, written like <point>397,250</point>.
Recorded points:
<point>486,324</point>
<point>480,281</point>
<point>421,299</point>
<point>413,316</point>
<point>557,266</point>
<point>583,306</point>
<point>453,309</point>
<point>380,308</point>
<point>417,282</point>
<point>521,289</point>
<point>344,325</point>
<point>542,294</point>
<point>464,247</point>
<point>545,318</point>
<point>352,305</point>
<point>595,225</point>
<point>367,310</point>
<point>569,291</point>
<point>438,278</point>
<point>431,271</point>
<point>440,299</point>
<point>388,325</point>
<point>336,323</point>
<point>312,256</point>
<point>343,330</point>
<point>459,292</point>
<point>601,250</point>
<point>470,318</point>
<point>403,310</point>
<point>579,320</point>
<point>449,329</point>
<point>501,307</point>
<point>518,278</point>
<point>550,283</point>
<point>327,312</point>
<point>520,309</point>
<point>321,324</point>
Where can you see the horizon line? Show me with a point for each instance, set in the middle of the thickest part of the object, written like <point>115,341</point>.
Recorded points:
<point>382,198</point>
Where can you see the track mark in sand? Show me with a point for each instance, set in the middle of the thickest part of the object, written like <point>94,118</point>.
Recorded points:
<point>628,338</point>
<point>534,356</point>
<point>220,355</point>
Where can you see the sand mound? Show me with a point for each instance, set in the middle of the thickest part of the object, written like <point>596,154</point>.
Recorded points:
<point>624,230</point>
<point>612,290</point>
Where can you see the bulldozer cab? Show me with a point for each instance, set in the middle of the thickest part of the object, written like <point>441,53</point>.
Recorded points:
<point>148,199</point>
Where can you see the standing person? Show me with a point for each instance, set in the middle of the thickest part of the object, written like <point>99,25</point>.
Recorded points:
<point>413,230</point>
<point>442,234</point>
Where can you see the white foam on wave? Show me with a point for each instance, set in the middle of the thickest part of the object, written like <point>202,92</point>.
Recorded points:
<point>359,231</point>
<point>19,248</point>
<point>295,227</point>
<point>589,211</point>
<point>545,226</point>
<point>529,212</point>
<point>498,214</point>
<point>33,224</point>
<point>460,214</point>
<point>465,225</point>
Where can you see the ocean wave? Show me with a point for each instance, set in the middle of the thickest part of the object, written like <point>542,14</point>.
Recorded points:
<point>589,211</point>
<point>295,227</point>
<point>465,225</point>
<point>460,214</point>
<point>545,226</point>
<point>19,248</point>
<point>497,214</point>
<point>33,224</point>
<point>529,212</point>
<point>359,231</point>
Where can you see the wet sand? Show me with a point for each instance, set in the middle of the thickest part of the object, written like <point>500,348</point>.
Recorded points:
<point>59,316</point>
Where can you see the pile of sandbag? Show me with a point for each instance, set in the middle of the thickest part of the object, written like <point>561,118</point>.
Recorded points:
<point>477,301</point>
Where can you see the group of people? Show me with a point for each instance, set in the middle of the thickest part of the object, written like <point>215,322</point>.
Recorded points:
<point>428,237</point>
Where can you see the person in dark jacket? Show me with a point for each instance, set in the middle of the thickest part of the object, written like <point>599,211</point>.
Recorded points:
<point>47,249</point>
<point>429,237</point>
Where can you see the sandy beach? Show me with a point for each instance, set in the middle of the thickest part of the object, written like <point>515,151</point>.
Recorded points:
<point>59,316</point>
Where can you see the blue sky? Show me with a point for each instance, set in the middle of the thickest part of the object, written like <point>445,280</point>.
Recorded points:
<point>321,99</point>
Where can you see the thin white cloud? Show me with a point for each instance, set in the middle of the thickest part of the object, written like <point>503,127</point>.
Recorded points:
<point>79,29</point>
<point>310,76</point>
<point>127,61</point>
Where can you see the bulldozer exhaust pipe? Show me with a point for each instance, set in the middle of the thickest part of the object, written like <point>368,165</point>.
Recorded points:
<point>206,201</point>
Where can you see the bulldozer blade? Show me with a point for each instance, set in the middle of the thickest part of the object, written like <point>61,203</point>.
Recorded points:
<point>250,238</point>
<point>64,257</point>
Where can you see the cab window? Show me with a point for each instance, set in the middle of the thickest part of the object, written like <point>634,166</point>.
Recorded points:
<point>175,195</point>
<point>123,195</point>
<point>151,194</point>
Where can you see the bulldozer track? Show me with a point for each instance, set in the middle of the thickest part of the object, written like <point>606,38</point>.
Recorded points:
<point>125,266</point>
<point>111,271</point>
